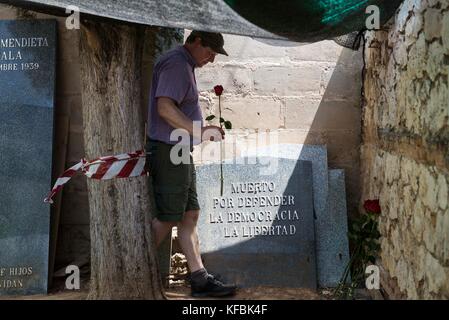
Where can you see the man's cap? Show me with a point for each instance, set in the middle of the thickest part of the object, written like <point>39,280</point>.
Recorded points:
<point>211,39</point>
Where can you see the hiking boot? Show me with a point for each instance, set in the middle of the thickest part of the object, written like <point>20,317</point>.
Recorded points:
<point>213,288</point>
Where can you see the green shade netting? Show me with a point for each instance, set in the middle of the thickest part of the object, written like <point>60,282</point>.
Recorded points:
<point>306,20</point>
<point>297,20</point>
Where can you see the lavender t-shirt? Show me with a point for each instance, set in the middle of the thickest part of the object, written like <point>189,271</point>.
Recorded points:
<point>173,77</point>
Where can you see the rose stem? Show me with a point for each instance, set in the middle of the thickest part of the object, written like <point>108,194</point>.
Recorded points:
<point>221,149</point>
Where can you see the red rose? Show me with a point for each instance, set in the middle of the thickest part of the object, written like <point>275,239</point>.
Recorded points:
<point>218,90</point>
<point>372,206</point>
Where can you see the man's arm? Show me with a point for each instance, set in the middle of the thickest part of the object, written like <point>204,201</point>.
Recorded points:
<point>174,117</point>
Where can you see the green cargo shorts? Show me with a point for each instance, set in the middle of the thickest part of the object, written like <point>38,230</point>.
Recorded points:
<point>174,185</point>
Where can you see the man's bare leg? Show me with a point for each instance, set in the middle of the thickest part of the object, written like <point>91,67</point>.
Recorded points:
<point>188,239</point>
<point>202,283</point>
<point>161,229</point>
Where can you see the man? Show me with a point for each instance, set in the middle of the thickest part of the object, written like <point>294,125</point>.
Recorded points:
<point>174,108</point>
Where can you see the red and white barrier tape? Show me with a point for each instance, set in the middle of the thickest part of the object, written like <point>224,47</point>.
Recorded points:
<point>120,166</point>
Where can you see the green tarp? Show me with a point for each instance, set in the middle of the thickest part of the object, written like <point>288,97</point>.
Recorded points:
<point>309,20</point>
<point>297,20</point>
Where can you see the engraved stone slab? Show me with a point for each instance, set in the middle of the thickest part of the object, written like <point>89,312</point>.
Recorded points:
<point>317,154</point>
<point>261,231</point>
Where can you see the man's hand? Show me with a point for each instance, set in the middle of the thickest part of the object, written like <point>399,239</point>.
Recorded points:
<point>212,133</point>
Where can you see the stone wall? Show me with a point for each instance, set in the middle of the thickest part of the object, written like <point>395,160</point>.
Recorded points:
<point>308,93</point>
<point>405,154</point>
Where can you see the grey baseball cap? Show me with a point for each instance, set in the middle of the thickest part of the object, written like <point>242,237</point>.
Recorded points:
<point>211,39</point>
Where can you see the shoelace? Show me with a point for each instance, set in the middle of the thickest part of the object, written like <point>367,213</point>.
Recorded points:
<point>217,276</point>
<point>215,279</point>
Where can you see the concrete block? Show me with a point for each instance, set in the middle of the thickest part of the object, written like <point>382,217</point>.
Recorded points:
<point>319,51</point>
<point>242,48</point>
<point>341,83</point>
<point>252,112</point>
<point>321,115</point>
<point>234,79</point>
<point>287,80</point>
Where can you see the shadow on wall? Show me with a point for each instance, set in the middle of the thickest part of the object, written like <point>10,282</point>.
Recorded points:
<point>337,122</point>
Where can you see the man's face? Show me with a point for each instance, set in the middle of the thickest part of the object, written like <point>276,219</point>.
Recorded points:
<point>203,55</point>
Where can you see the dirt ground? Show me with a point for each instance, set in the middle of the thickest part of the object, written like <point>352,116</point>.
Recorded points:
<point>182,292</point>
<point>255,293</point>
<point>178,289</point>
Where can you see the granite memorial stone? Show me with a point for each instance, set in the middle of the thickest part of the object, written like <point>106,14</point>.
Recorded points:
<point>317,154</point>
<point>27,85</point>
<point>261,231</point>
<point>335,249</point>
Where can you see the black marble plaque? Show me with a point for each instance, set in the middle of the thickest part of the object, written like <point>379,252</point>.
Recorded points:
<point>261,231</point>
<point>27,89</point>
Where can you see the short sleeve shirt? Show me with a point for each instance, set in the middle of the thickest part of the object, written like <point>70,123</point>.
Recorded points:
<point>174,78</point>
